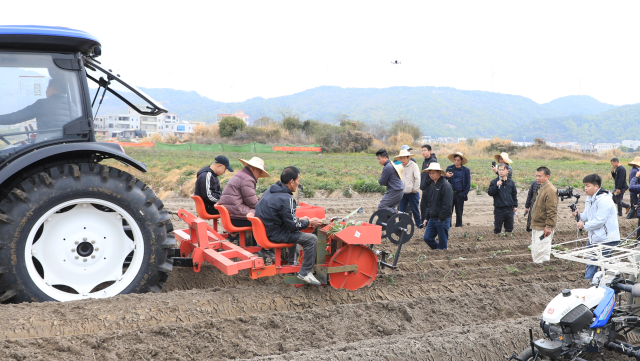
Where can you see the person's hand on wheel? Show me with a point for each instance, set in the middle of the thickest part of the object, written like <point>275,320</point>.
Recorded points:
<point>315,222</point>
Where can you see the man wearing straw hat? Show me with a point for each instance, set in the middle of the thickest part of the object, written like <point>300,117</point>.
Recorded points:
<point>239,195</point>
<point>392,179</point>
<point>437,218</point>
<point>635,165</point>
<point>459,177</point>
<point>502,158</point>
<point>411,180</point>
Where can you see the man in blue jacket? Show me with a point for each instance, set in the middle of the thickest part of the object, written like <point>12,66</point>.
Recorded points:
<point>459,177</point>
<point>599,218</point>
<point>390,178</point>
<point>635,187</point>
<point>277,210</point>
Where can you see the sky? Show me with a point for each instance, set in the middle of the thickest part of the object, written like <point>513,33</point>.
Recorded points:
<point>231,51</point>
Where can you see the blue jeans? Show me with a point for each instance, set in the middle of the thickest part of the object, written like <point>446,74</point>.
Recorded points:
<point>591,269</point>
<point>435,227</point>
<point>412,199</point>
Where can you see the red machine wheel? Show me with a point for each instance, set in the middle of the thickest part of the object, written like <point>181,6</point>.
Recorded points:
<point>349,255</point>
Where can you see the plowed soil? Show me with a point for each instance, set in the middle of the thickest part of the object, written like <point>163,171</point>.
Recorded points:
<point>475,301</point>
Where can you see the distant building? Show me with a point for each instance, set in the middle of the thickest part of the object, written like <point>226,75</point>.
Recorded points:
<point>522,144</point>
<point>132,124</point>
<point>605,147</point>
<point>426,139</point>
<point>586,148</point>
<point>633,144</point>
<point>239,114</point>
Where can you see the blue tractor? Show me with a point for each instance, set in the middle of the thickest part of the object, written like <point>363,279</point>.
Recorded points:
<point>71,227</point>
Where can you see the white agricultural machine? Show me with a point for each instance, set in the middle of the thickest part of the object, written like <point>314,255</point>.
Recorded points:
<point>605,316</point>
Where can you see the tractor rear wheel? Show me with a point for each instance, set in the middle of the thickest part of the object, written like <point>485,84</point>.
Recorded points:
<point>82,231</point>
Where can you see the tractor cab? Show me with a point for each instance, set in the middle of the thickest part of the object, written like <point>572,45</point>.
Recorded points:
<point>52,87</point>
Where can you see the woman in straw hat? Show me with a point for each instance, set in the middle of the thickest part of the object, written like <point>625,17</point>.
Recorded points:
<point>391,178</point>
<point>635,165</point>
<point>502,158</point>
<point>411,180</point>
<point>459,177</point>
<point>239,195</point>
<point>438,215</point>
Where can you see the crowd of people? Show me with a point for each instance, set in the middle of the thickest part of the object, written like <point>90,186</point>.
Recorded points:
<point>432,194</point>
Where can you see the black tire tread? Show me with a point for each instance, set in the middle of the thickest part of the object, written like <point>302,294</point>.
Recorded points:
<point>9,291</point>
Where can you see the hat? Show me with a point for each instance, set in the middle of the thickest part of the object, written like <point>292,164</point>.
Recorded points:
<point>452,156</point>
<point>405,147</point>
<point>635,161</point>
<point>399,169</point>
<point>256,163</point>
<point>433,166</point>
<point>404,153</point>
<point>504,156</point>
<point>221,159</point>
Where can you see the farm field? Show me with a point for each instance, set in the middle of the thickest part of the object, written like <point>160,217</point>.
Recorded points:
<point>475,301</point>
<point>174,170</point>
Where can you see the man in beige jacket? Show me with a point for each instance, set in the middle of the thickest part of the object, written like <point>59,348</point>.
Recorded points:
<point>543,216</point>
<point>411,179</point>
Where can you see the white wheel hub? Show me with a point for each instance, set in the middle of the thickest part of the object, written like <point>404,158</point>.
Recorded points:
<point>82,248</point>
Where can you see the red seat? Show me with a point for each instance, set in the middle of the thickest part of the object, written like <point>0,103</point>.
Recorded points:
<point>225,218</point>
<point>201,211</point>
<point>260,235</point>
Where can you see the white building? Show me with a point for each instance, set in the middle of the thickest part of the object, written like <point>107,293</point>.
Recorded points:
<point>605,147</point>
<point>633,144</point>
<point>113,125</point>
<point>239,114</point>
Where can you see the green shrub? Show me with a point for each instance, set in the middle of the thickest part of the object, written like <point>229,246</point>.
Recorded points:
<point>229,125</point>
<point>368,186</point>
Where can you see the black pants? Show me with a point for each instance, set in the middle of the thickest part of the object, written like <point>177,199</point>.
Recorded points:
<point>241,222</point>
<point>503,215</point>
<point>617,199</point>
<point>458,206</point>
<point>634,201</point>
<point>211,209</point>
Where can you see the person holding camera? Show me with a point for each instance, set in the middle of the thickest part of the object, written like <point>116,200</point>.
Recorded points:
<point>502,158</point>
<point>619,174</point>
<point>543,216</point>
<point>599,218</point>
<point>459,177</point>
<point>505,200</point>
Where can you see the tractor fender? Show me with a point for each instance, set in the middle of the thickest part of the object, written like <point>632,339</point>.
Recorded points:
<point>106,150</point>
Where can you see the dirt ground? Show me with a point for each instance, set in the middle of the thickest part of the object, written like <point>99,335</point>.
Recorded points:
<point>471,302</point>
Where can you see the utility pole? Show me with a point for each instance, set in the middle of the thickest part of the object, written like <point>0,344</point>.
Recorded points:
<point>396,63</point>
<point>579,84</point>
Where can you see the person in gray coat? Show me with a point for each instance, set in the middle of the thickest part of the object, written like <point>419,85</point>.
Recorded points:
<point>390,178</point>
<point>51,113</point>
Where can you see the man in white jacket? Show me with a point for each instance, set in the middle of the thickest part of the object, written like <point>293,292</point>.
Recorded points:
<point>411,179</point>
<point>600,217</point>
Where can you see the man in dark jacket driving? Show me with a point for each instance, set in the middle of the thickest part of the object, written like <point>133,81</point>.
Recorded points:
<point>277,210</point>
<point>51,113</point>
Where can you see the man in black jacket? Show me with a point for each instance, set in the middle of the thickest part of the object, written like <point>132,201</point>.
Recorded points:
<point>207,184</point>
<point>619,174</point>
<point>277,210</point>
<point>437,218</point>
<point>530,195</point>
<point>505,200</point>
<point>425,181</point>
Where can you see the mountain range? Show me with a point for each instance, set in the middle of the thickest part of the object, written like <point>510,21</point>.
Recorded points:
<point>439,111</point>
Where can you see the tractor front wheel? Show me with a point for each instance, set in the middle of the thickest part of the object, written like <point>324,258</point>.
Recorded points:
<point>82,231</point>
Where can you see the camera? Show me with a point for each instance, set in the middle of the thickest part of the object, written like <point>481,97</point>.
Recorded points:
<point>493,163</point>
<point>565,193</point>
